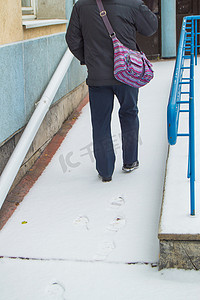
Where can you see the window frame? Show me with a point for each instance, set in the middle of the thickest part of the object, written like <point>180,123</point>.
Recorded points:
<point>31,9</point>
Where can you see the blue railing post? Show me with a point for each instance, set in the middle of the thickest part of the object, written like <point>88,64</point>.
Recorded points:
<point>191,126</point>
<point>195,41</point>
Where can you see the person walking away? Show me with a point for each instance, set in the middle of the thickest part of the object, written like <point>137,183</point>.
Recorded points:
<point>89,41</point>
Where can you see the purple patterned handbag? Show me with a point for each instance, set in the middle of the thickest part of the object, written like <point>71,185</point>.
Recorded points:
<point>130,66</point>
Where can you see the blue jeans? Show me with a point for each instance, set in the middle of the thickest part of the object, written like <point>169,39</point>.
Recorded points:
<point>101,106</point>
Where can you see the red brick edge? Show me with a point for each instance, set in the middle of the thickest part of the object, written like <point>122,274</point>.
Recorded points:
<point>17,195</point>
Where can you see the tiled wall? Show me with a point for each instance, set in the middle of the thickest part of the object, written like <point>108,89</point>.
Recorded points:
<point>12,108</point>
<point>26,68</point>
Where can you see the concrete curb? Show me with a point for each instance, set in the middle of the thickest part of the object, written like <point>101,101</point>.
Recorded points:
<point>177,250</point>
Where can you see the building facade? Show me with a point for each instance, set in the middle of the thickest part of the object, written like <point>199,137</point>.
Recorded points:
<point>32,43</point>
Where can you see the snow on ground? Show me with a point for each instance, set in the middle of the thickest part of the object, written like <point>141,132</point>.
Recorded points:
<point>62,280</point>
<point>79,234</point>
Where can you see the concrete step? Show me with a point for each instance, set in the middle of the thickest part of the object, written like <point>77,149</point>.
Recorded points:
<point>179,232</point>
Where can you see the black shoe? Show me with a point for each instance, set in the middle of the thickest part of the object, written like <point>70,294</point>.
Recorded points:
<point>130,167</point>
<point>105,179</point>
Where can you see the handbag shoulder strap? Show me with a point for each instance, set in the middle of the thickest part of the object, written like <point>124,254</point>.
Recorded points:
<point>106,21</point>
<point>103,14</point>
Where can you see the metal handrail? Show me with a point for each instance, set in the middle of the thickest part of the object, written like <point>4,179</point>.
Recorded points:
<point>187,43</point>
<point>173,105</point>
<point>10,171</point>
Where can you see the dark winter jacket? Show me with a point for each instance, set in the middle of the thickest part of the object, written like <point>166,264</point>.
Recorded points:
<point>89,41</point>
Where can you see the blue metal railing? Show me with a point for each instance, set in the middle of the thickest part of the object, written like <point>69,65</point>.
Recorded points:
<point>183,86</point>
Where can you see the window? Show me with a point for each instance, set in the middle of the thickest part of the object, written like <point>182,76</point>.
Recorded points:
<point>28,9</point>
<point>43,9</point>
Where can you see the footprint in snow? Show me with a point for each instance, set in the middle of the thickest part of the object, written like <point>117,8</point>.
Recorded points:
<point>104,250</point>
<point>82,221</point>
<point>117,202</point>
<point>117,224</point>
<point>56,291</point>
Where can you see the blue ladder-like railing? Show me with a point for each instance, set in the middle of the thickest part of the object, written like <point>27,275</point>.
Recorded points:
<point>183,86</point>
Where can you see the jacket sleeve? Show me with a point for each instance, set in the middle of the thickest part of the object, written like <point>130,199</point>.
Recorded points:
<point>74,36</point>
<point>146,21</point>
